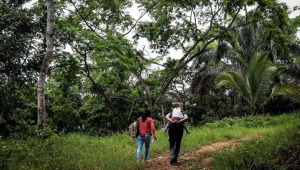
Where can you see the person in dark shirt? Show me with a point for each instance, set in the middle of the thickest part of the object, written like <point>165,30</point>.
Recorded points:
<point>175,135</point>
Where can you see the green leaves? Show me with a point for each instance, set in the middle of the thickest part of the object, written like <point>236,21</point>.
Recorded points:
<point>19,61</point>
<point>233,79</point>
<point>277,25</point>
<point>286,89</point>
<point>255,83</point>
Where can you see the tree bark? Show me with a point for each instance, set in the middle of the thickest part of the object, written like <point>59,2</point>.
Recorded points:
<point>185,59</point>
<point>2,113</point>
<point>44,68</point>
<point>146,88</point>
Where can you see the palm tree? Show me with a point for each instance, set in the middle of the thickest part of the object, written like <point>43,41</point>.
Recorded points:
<point>227,54</point>
<point>249,42</point>
<point>255,82</point>
<point>206,67</point>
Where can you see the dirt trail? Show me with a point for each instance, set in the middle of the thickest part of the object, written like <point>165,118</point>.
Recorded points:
<point>187,160</point>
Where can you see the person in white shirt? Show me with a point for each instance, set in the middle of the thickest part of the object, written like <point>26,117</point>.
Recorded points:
<point>175,133</point>
<point>177,114</point>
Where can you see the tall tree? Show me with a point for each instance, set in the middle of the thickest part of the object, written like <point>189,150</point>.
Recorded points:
<point>92,29</point>
<point>44,68</point>
<point>250,39</point>
<point>191,26</point>
<point>19,63</point>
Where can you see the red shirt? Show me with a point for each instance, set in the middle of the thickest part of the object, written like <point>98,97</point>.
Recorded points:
<point>147,127</point>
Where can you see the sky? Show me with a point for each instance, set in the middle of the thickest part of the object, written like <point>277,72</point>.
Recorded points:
<point>292,3</point>
<point>178,54</point>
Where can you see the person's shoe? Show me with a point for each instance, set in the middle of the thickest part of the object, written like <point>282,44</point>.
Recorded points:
<point>188,132</point>
<point>174,161</point>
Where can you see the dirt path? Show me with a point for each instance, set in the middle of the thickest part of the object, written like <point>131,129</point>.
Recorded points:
<point>187,159</point>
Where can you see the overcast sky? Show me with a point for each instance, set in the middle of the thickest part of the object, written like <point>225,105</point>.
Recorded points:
<point>177,54</point>
<point>291,4</point>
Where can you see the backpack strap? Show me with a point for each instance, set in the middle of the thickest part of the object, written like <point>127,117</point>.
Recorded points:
<point>137,125</point>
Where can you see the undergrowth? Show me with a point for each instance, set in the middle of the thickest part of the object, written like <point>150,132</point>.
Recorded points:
<point>77,151</point>
<point>278,149</point>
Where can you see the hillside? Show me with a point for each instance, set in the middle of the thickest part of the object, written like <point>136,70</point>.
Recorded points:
<point>259,141</point>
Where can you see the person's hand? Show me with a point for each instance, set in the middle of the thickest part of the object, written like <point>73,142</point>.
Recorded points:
<point>180,121</point>
<point>175,121</point>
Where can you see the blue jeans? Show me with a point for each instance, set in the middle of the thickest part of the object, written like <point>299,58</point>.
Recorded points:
<point>140,141</point>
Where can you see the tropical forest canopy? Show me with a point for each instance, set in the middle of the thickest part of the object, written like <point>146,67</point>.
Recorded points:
<point>232,58</point>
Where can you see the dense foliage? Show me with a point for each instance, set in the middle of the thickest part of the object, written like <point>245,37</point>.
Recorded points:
<point>101,77</point>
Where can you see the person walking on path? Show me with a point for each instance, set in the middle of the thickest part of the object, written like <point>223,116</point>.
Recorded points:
<point>178,114</point>
<point>175,135</point>
<point>146,131</point>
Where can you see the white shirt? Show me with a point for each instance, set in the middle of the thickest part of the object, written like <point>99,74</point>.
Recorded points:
<point>177,112</point>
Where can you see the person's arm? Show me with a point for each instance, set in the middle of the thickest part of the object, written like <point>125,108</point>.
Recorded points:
<point>168,118</point>
<point>152,127</point>
<point>185,118</point>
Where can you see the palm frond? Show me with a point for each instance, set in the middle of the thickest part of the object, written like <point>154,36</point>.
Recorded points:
<point>234,79</point>
<point>242,61</point>
<point>261,76</point>
<point>257,76</point>
<point>286,89</point>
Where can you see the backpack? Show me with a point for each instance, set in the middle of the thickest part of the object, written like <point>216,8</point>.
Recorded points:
<point>134,129</point>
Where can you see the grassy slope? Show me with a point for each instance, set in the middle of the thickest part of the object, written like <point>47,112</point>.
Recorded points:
<point>279,148</point>
<point>118,151</point>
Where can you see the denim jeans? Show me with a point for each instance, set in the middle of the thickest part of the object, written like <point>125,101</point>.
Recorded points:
<point>140,141</point>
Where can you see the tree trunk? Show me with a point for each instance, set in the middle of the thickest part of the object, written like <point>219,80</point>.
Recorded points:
<point>44,68</point>
<point>146,88</point>
<point>2,113</point>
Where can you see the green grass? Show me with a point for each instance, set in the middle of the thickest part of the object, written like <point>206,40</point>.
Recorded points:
<point>77,151</point>
<point>279,148</point>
